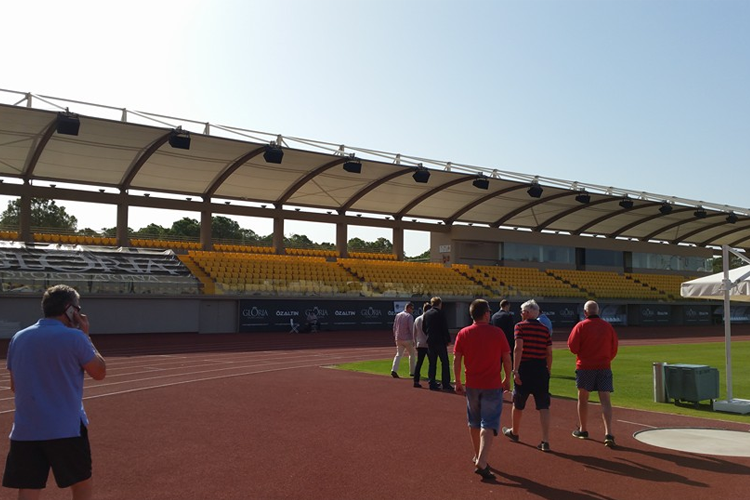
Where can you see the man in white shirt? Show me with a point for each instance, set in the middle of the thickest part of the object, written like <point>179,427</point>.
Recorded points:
<point>420,339</point>
<point>403,332</point>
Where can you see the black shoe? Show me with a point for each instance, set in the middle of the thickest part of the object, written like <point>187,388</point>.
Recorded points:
<point>508,432</point>
<point>434,387</point>
<point>486,473</point>
<point>578,433</point>
<point>448,388</point>
<point>543,446</point>
<point>411,375</point>
<point>417,384</point>
<point>394,375</point>
<point>609,441</point>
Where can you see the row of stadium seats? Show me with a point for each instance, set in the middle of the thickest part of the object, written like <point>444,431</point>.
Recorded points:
<point>73,239</point>
<point>310,272</point>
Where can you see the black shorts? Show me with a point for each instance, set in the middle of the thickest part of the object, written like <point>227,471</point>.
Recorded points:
<point>534,381</point>
<point>29,462</point>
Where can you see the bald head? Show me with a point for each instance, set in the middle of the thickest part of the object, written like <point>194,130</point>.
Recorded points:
<point>591,308</point>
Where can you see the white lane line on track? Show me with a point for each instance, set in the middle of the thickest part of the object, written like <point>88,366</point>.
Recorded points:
<point>239,358</point>
<point>239,361</point>
<point>237,366</point>
<point>183,382</point>
<point>115,371</point>
<point>638,424</point>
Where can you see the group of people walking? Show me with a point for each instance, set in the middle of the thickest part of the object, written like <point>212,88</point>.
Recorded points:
<point>496,349</point>
<point>426,336</point>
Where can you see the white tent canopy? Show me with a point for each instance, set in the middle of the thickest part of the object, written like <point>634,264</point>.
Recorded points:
<point>712,287</point>
<point>728,285</point>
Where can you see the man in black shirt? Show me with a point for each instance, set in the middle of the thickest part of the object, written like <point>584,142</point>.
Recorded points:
<point>435,325</point>
<point>504,320</point>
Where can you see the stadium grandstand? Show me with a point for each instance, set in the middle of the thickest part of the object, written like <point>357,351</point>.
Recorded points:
<point>493,234</point>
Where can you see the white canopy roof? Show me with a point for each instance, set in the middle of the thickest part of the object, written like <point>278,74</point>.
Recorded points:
<point>228,164</point>
<point>711,287</point>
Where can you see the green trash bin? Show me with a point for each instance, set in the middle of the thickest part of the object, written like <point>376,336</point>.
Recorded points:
<point>692,383</point>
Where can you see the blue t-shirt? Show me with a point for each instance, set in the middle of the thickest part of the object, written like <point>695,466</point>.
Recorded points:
<point>543,319</point>
<point>46,360</point>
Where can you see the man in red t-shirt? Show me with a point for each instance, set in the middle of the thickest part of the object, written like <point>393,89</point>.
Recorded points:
<point>483,349</point>
<point>594,342</point>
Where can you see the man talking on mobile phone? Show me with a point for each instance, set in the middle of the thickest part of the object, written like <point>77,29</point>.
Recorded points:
<point>47,362</point>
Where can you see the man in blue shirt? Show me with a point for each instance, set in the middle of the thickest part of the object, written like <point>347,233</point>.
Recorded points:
<point>544,319</point>
<point>47,362</point>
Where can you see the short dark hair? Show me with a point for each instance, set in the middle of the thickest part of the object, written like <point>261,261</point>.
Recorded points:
<point>478,309</point>
<point>408,305</point>
<point>504,303</point>
<point>426,307</point>
<point>57,298</point>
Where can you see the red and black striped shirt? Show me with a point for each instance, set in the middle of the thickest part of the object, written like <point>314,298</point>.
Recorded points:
<point>535,337</point>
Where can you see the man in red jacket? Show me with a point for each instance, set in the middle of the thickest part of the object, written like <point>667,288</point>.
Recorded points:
<point>594,342</point>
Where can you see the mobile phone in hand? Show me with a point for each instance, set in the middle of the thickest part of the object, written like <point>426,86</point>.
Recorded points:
<point>70,312</point>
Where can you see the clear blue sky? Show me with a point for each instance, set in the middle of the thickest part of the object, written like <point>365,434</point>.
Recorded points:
<point>647,95</point>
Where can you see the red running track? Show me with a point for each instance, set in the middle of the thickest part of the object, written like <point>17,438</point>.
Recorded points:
<point>260,416</point>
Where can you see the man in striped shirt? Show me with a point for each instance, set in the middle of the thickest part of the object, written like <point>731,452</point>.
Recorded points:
<point>532,364</point>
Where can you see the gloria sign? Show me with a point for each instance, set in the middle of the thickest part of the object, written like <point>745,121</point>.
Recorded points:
<point>278,315</point>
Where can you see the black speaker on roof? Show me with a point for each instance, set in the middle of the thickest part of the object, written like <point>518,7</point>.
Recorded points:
<point>421,175</point>
<point>626,203</point>
<point>481,182</point>
<point>179,140</point>
<point>353,166</point>
<point>535,191</point>
<point>273,154</point>
<point>583,197</point>
<point>68,124</point>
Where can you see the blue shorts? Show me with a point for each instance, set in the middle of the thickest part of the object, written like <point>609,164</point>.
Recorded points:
<point>484,407</point>
<point>595,380</point>
<point>29,462</point>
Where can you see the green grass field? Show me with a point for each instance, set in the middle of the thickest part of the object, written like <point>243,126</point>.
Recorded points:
<point>633,375</point>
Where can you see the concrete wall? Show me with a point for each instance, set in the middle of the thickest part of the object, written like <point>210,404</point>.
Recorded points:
<point>116,315</point>
<point>207,315</point>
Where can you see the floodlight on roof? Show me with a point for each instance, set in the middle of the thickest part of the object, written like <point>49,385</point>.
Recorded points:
<point>481,182</point>
<point>535,191</point>
<point>626,203</point>
<point>273,153</point>
<point>353,165</point>
<point>732,218</point>
<point>67,123</point>
<point>179,139</point>
<point>583,197</point>
<point>700,213</point>
<point>665,208</point>
<point>421,174</point>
